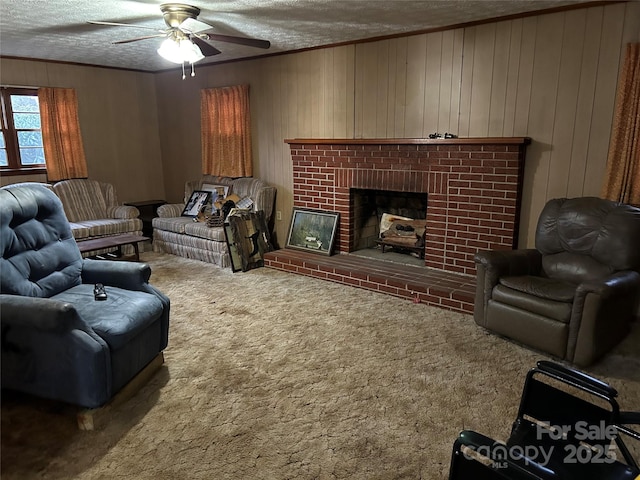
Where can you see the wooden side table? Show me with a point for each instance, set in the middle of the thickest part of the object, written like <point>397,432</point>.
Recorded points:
<point>148,211</point>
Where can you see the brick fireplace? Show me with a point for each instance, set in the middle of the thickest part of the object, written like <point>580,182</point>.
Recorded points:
<point>473,188</point>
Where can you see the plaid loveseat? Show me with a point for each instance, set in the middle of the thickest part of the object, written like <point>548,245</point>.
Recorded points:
<point>180,235</point>
<point>93,211</point>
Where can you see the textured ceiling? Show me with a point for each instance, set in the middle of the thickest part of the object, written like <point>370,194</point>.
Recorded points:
<point>57,29</point>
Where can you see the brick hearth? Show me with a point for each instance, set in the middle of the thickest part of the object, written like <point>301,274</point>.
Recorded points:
<point>446,290</point>
<point>473,188</point>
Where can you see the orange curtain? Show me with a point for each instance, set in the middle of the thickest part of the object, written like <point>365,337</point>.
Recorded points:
<point>226,131</point>
<point>622,180</point>
<point>63,148</point>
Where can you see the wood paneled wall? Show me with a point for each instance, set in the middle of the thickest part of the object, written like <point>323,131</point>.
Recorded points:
<point>549,77</point>
<point>118,118</point>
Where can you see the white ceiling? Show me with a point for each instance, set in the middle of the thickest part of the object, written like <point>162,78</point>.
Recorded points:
<point>57,29</point>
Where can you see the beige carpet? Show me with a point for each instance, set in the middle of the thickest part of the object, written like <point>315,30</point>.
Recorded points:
<point>270,375</point>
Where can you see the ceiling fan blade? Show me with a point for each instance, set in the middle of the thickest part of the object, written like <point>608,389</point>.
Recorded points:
<point>130,40</point>
<point>114,24</point>
<point>195,26</point>
<point>251,42</point>
<point>207,49</point>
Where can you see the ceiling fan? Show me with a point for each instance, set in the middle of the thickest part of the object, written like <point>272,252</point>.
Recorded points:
<point>187,38</point>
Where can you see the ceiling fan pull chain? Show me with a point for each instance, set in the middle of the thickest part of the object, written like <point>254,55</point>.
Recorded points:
<point>193,70</point>
<point>183,75</point>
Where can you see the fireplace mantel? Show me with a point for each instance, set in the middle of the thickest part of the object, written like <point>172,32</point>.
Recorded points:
<point>473,185</point>
<point>412,141</point>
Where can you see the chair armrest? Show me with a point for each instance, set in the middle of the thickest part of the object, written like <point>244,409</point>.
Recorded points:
<point>601,316</point>
<point>630,418</point>
<point>491,265</point>
<point>620,283</point>
<point>169,210</point>
<point>123,211</point>
<point>126,275</point>
<point>576,378</point>
<point>43,314</point>
<point>511,262</point>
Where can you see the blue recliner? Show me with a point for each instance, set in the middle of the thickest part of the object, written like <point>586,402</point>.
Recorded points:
<point>58,341</point>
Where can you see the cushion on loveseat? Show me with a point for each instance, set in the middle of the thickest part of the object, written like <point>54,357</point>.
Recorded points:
<point>171,224</point>
<point>201,230</point>
<point>101,228</point>
<point>186,225</point>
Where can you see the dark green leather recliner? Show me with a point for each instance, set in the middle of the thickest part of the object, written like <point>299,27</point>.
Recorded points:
<point>575,294</point>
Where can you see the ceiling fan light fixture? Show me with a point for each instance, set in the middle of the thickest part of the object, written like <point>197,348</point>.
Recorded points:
<point>180,51</point>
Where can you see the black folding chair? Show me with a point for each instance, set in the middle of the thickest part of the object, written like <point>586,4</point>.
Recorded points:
<point>569,426</point>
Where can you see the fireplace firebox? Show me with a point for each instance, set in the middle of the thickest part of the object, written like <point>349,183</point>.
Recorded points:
<point>370,207</point>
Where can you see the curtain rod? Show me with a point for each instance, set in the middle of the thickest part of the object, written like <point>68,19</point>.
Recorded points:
<point>20,86</point>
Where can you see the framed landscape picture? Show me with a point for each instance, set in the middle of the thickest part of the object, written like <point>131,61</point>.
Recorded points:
<point>312,230</point>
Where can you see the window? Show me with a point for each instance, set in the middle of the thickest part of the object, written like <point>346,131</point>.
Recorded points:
<point>21,149</point>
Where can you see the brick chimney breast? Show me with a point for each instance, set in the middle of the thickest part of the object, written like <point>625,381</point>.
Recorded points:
<point>474,188</point>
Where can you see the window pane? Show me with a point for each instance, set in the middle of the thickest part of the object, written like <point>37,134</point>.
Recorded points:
<point>32,156</point>
<point>24,103</point>
<point>30,139</point>
<point>23,129</point>
<point>26,120</point>
<point>3,152</point>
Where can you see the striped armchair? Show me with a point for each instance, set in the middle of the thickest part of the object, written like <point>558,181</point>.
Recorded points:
<point>93,211</point>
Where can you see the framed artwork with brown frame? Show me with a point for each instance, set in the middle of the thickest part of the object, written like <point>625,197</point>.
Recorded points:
<point>312,230</point>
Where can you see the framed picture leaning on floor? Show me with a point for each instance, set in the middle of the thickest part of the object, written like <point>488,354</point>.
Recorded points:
<point>312,230</point>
